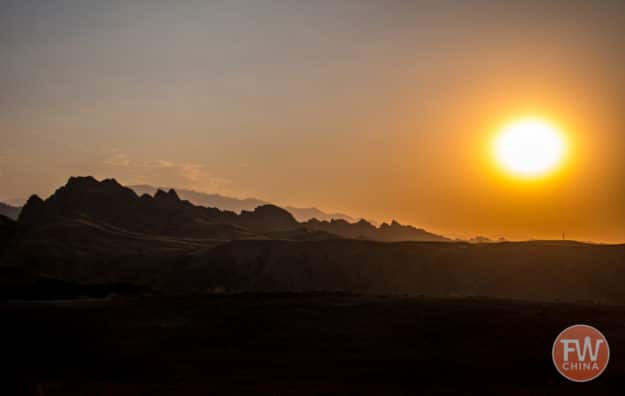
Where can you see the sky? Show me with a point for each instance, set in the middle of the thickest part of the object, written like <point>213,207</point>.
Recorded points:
<point>379,109</point>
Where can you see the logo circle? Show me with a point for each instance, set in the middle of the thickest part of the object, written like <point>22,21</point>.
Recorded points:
<point>580,353</point>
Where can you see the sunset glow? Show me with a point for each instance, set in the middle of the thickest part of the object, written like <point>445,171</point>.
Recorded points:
<point>529,148</point>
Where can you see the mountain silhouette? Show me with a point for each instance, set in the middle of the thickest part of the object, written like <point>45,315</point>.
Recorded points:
<point>203,199</point>
<point>305,214</point>
<point>9,211</point>
<point>393,232</point>
<point>240,204</point>
<point>267,218</point>
<point>108,202</point>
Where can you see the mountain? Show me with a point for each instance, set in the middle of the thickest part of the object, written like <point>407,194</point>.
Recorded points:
<point>305,214</point>
<point>238,204</point>
<point>108,202</point>
<point>204,199</point>
<point>9,211</point>
<point>393,232</point>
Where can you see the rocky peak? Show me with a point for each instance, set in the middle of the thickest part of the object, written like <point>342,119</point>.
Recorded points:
<point>32,212</point>
<point>268,217</point>
<point>169,196</point>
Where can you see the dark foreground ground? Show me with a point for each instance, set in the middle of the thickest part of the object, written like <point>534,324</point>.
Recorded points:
<point>296,345</point>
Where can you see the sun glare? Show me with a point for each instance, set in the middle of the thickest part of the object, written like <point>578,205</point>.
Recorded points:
<point>529,148</point>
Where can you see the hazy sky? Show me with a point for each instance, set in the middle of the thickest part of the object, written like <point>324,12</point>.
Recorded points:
<point>381,109</point>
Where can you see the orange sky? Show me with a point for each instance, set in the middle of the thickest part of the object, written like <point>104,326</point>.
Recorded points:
<point>377,110</point>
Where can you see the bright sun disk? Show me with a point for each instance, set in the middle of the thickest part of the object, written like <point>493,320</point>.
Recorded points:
<point>529,148</point>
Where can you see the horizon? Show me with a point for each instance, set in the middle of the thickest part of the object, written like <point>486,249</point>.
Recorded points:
<point>379,111</point>
<point>378,224</point>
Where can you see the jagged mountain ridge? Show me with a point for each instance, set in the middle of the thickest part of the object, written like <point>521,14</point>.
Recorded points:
<point>393,232</point>
<point>166,214</point>
<point>240,204</point>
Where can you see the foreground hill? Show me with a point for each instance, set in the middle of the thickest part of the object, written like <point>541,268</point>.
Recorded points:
<point>528,270</point>
<point>83,252</point>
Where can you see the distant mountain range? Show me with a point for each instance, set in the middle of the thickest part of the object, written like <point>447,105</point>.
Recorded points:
<point>12,212</point>
<point>109,203</point>
<point>240,204</point>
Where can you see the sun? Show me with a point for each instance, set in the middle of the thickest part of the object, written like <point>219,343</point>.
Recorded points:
<point>529,148</point>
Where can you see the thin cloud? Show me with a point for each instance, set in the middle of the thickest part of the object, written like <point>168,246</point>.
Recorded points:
<point>165,172</point>
<point>118,159</point>
<point>159,164</point>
